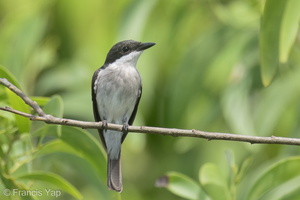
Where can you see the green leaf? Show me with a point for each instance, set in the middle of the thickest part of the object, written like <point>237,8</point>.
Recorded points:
<point>181,185</point>
<point>289,28</point>
<point>54,146</point>
<point>40,100</point>
<point>286,191</point>
<point>87,147</point>
<point>80,143</point>
<point>243,169</point>
<point>233,166</point>
<point>278,174</point>
<point>53,179</point>
<point>16,102</point>
<point>54,106</point>
<point>4,73</point>
<point>58,145</point>
<point>269,38</point>
<point>294,194</point>
<point>213,182</point>
<point>268,112</point>
<point>236,108</point>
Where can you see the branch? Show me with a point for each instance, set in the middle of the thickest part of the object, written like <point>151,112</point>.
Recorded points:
<point>26,99</point>
<point>41,116</point>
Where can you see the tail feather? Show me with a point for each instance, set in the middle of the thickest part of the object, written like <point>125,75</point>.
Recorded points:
<point>114,174</point>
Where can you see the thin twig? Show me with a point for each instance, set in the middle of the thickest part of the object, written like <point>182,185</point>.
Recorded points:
<point>139,129</point>
<point>25,98</point>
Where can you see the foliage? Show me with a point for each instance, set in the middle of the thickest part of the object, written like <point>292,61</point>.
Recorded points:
<point>277,182</point>
<point>276,39</point>
<point>219,65</point>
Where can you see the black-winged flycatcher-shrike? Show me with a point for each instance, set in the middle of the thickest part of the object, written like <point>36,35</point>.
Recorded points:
<point>116,92</point>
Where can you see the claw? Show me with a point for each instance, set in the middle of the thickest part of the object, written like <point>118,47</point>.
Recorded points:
<point>125,128</point>
<point>104,124</point>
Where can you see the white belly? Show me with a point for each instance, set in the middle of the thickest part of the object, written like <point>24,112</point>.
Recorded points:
<point>117,92</point>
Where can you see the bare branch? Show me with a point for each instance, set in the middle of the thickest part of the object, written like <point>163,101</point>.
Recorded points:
<point>139,129</point>
<point>25,98</point>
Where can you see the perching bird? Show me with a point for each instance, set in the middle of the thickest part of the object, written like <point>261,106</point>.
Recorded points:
<point>116,92</point>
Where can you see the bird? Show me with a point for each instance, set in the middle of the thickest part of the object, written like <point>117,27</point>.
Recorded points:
<point>116,93</point>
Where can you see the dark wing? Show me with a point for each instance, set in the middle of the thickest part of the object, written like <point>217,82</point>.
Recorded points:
<point>131,119</point>
<point>95,106</point>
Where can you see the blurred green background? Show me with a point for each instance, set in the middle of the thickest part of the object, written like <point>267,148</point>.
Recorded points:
<point>207,72</point>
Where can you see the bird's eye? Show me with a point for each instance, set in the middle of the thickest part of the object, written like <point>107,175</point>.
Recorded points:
<point>125,49</point>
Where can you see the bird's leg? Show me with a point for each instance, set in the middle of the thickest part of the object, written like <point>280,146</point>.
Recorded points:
<point>125,128</point>
<point>104,125</point>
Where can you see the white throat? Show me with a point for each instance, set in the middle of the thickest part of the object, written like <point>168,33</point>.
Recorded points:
<point>128,60</point>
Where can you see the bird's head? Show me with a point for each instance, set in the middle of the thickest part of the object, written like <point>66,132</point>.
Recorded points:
<point>126,51</point>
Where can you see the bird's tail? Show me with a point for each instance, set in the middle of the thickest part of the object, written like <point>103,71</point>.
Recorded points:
<point>114,174</point>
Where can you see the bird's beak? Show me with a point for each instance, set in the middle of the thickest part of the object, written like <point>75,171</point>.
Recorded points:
<point>144,46</point>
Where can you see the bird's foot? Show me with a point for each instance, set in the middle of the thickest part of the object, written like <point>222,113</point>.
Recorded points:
<point>125,128</point>
<point>104,124</point>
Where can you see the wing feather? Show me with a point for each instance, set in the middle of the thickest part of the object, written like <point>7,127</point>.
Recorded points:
<point>132,117</point>
<point>95,106</point>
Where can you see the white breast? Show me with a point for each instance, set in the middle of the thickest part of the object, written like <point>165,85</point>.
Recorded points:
<point>117,89</point>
